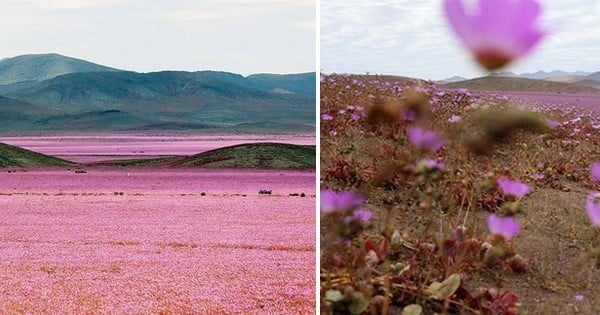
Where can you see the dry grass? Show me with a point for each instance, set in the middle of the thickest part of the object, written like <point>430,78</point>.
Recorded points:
<point>373,157</point>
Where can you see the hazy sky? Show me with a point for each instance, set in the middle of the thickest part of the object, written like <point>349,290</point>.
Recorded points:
<point>411,38</point>
<point>241,36</point>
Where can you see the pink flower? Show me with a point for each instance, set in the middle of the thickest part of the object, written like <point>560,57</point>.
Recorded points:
<point>339,202</point>
<point>326,117</point>
<point>538,176</point>
<point>595,171</point>
<point>362,215</point>
<point>409,115</point>
<point>424,139</point>
<point>430,165</point>
<point>454,118</point>
<point>552,123</point>
<point>505,227</point>
<point>513,188</point>
<point>499,31</point>
<point>592,207</point>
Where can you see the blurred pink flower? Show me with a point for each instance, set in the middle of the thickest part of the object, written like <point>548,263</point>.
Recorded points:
<point>362,215</point>
<point>424,139</point>
<point>595,171</point>
<point>499,31</point>
<point>430,165</point>
<point>506,227</point>
<point>339,202</point>
<point>552,123</point>
<point>538,176</point>
<point>454,118</point>
<point>513,188</point>
<point>326,117</point>
<point>592,207</point>
<point>409,115</point>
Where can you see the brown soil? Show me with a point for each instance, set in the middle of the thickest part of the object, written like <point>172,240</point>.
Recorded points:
<point>556,233</point>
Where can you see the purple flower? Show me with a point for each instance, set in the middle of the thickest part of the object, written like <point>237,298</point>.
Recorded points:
<point>326,117</point>
<point>592,206</point>
<point>595,171</point>
<point>552,123</point>
<point>513,188</point>
<point>362,215</point>
<point>498,31</point>
<point>431,165</point>
<point>505,227</point>
<point>454,118</point>
<point>424,139</point>
<point>538,176</point>
<point>339,202</point>
<point>354,117</point>
<point>464,91</point>
<point>409,115</point>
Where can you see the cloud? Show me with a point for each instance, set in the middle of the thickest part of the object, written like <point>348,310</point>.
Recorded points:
<point>410,37</point>
<point>243,36</point>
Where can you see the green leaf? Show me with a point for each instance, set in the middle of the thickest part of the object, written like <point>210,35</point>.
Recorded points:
<point>444,290</point>
<point>334,296</point>
<point>358,304</point>
<point>413,309</point>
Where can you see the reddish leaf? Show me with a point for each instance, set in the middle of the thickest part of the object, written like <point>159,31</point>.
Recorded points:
<point>505,305</point>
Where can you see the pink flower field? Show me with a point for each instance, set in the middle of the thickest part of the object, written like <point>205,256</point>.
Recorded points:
<point>583,104</point>
<point>123,241</point>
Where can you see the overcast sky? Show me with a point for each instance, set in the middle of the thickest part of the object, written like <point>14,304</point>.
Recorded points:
<point>411,38</point>
<point>241,36</point>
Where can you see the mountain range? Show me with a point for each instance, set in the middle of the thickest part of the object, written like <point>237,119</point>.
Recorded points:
<point>54,92</point>
<point>576,81</point>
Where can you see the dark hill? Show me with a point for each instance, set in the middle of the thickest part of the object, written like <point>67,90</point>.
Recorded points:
<point>11,156</point>
<point>250,155</point>
<point>255,155</point>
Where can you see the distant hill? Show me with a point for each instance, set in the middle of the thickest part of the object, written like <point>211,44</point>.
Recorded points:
<point>297,83</point>
<point>271,127</point>
<point>539,75</point>
<point>542,75</point>
<point>40,67</point>
<point>578,80</point>
<point>16,115</point>
<point>503,74</point>
<point>493,83</point>
<point>101,120</point>
<point>452,79</point>
<point>251,155</point>
<point>172,97</point>
<point>94,97</point>
<point>11,156</point>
